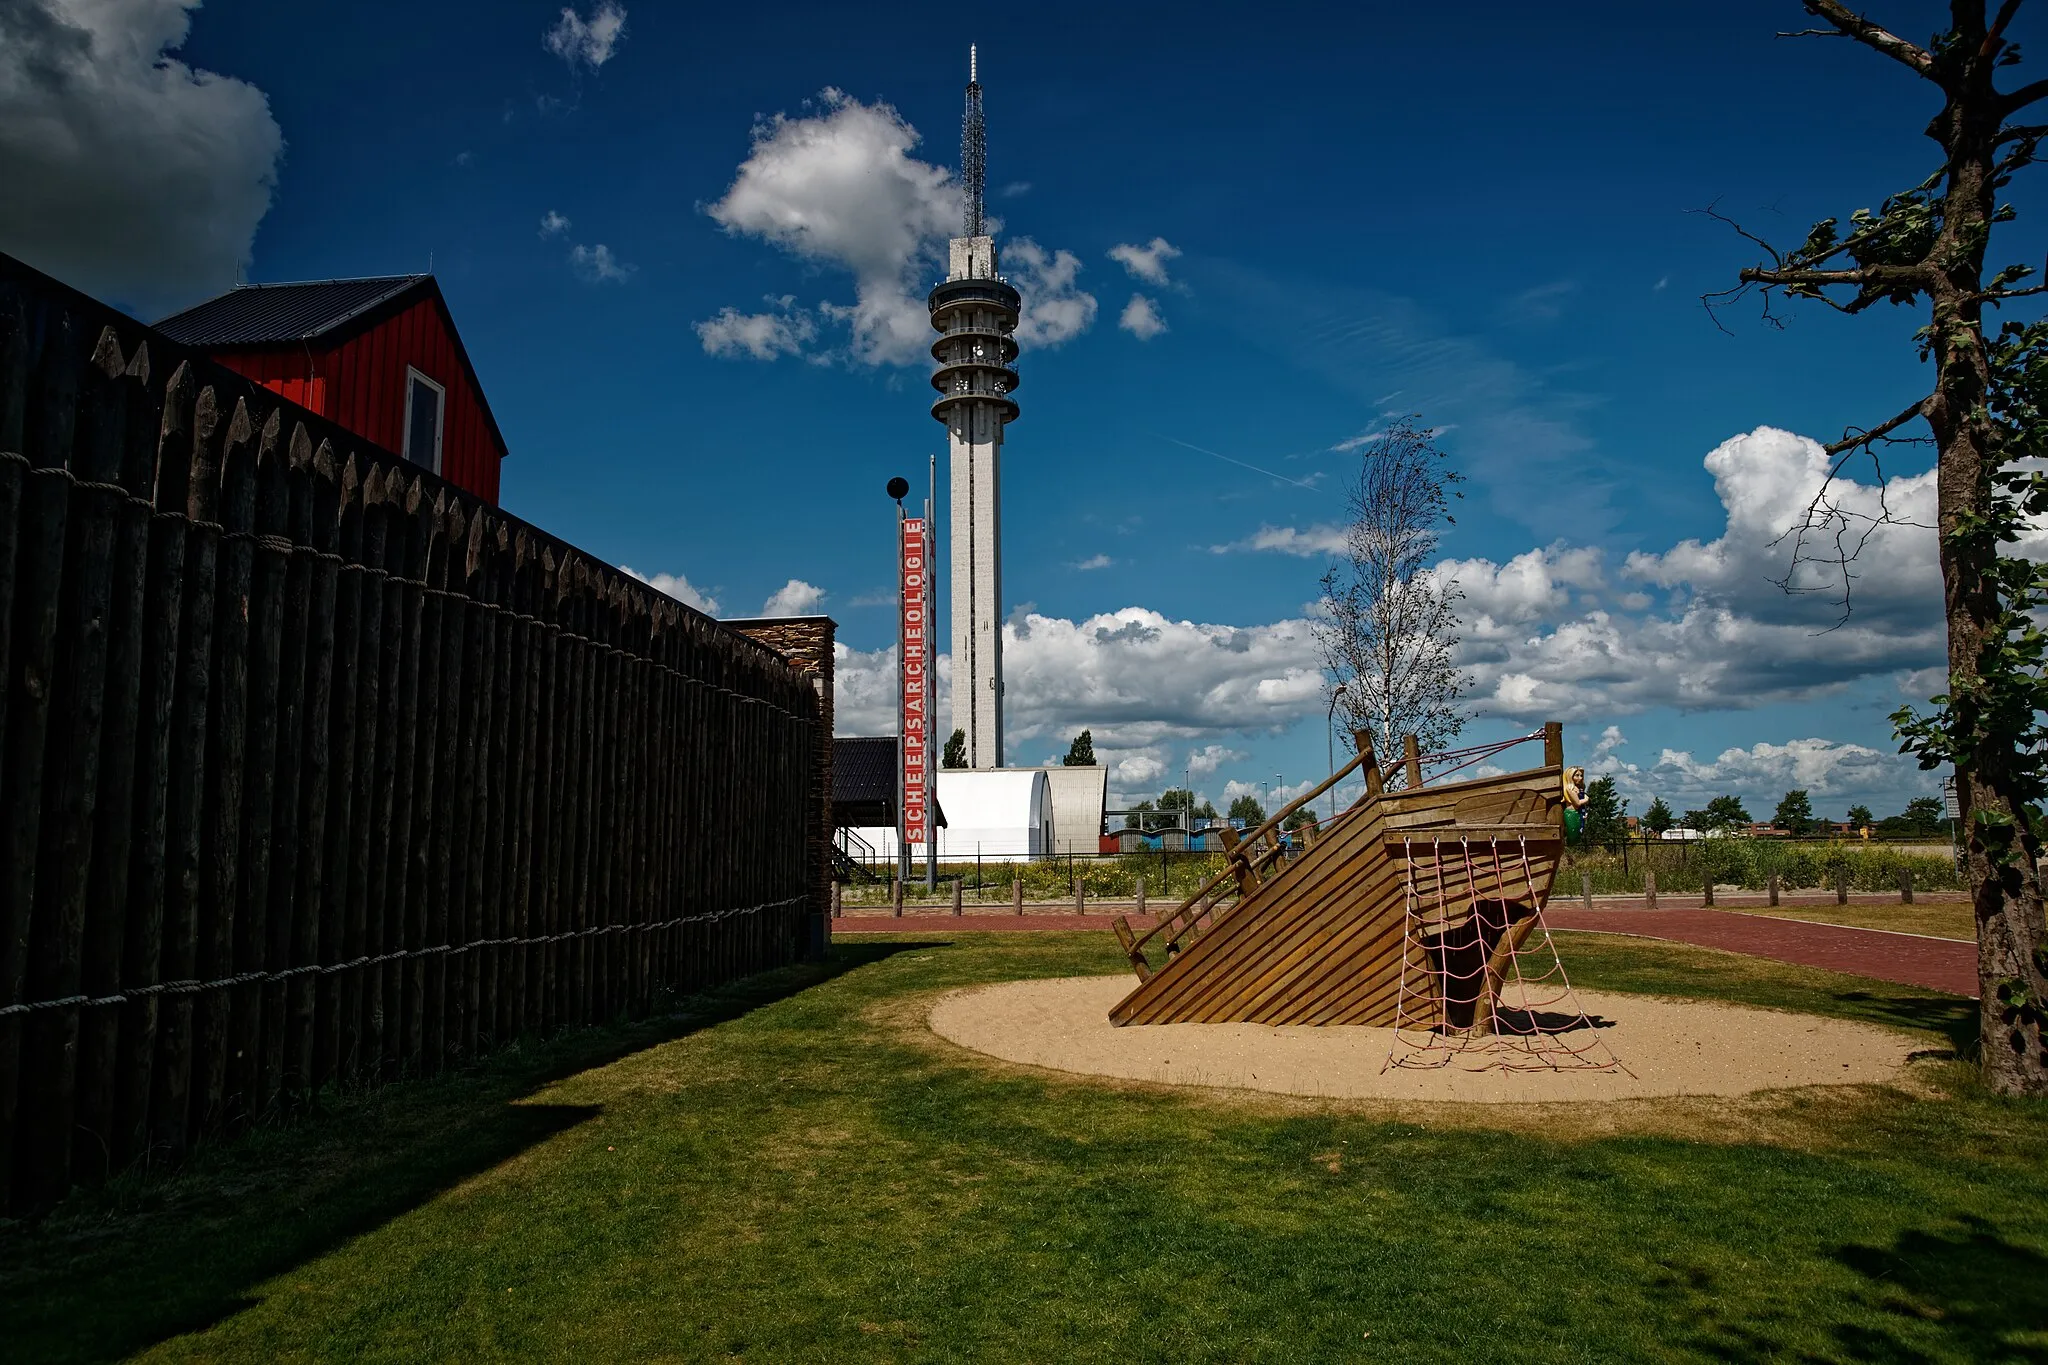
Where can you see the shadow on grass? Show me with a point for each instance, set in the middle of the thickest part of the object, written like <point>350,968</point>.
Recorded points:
<point>1977,1294</point>
<point>157,1254</point>
<point>1962,1293</point>
<point>1952,1016</point>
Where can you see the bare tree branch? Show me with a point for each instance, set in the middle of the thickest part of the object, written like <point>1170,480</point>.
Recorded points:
<point>2022,97</point>
<point>1881,430</point>
<point>1884,276</point>
<point>1873,36</point>
<point>2018,131</point>
<point>1995,295</point>
<point>1996,32</point>
<point>1710,211</point>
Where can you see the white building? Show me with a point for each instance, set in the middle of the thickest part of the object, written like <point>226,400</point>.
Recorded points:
<point>1006,815</point>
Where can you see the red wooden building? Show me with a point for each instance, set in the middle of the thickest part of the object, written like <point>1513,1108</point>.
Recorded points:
<point>380,357</point>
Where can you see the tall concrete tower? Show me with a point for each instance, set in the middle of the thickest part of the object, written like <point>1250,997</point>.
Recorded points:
<point>975,312</point>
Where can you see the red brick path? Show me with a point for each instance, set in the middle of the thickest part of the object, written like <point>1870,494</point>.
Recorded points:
<point>1939,964</point>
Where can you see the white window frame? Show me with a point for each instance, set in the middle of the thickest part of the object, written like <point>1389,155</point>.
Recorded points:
<point>440,415</point>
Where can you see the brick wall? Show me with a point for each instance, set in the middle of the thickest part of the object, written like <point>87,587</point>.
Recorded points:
<point>806,641</point>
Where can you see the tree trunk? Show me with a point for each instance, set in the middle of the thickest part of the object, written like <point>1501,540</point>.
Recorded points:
<point>2003,870</point>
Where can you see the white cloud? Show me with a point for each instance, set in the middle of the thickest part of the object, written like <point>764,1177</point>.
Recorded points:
<point>1015,188</point>
<point>678,587</point>
<point>553,224</point>
<point>1546,635</point>
<point>1289,540</point>
<point>597,264</point>
<point>764,336</point>
<point>841,188</point>
<point>1207,759</point>
<point>1825,768</point>
<point>1141,318</point>
<point>1922,684</point>
<point>587,42</point>
<point>1095,561</point>
<point>794,598</point>
<point>1056,308</point>
<point>1147,263</point>
<point>127,173</point>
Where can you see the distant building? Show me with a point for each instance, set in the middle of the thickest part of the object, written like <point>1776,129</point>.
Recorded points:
<point>379,357</point>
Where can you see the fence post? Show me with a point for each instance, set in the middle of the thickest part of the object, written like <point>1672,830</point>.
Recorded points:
<point>1650,888</point>
<point>1017,894</point>
<point>1141,895</point>
<point>1707,894</point>
<point>956,895</point>
<point>1841,886</point>
<point>1586,889</point>
<point>838,903</point>
<point>896,891</point>
<point>1774,888</point>
<point>1905,886</point>
<point>1080,893</point>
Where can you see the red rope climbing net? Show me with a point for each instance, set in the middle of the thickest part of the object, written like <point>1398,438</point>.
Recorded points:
<point>1481,982</point>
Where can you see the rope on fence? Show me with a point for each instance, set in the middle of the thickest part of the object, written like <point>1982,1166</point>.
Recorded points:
<point>439,950</point>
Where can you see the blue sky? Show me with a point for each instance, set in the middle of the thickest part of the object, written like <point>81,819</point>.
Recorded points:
<point>696,324</point>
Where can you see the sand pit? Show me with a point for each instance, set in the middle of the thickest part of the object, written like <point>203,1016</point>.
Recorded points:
<point>1672,1047</point>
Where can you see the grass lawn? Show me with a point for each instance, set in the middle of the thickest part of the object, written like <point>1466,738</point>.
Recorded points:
<point>1944,919</point>
<point>794,1170</point>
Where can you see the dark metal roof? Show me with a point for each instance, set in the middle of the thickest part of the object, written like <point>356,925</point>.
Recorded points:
<point>864,781</point>
<point>864,769</point>
<point>260,314</point>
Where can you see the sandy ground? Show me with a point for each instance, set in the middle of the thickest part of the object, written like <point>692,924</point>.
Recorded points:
<point>1669,1047</point>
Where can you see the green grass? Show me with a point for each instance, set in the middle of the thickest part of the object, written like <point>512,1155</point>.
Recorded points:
<point>795,1172</point>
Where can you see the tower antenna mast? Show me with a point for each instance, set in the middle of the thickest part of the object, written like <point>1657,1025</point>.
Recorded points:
<point>973,149</point>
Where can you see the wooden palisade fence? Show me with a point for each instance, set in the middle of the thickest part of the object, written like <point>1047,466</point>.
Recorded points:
<point>318,771</point>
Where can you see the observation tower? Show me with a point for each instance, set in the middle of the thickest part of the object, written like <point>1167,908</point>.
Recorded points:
<point>974,311</point>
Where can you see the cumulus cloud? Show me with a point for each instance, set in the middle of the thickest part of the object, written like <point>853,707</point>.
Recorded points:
<point>785,330</point>
<point>1095,561</point>
<point>1148,262</point>
<point>597,265</point>
<point>1289,540</point>
<point>1548,635</point>
<point>588,42</point>
<point>553,224</point>
<point>1760,774</point>
<point>678,587</point>
<point>1056,308</point>
<point>841,188</point>
<point>1141,318</point>
<point>1207,759</point>
<point>127,173</point>
<point>794,598</point>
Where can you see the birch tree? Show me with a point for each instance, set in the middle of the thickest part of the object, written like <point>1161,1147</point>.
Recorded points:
<point>1389,632</point>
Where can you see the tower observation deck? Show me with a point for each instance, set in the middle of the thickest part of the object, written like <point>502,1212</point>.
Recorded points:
<point>974,311</point>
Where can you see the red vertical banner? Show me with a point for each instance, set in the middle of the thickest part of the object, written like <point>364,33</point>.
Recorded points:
<point>916,657</point>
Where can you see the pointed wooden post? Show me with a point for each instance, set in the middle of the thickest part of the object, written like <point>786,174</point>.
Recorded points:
<point>1411,761</point>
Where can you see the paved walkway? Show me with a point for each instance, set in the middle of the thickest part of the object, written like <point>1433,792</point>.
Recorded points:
<point>1940,964</point>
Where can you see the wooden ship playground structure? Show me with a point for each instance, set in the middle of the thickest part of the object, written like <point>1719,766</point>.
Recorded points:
<point>1417,908</point>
